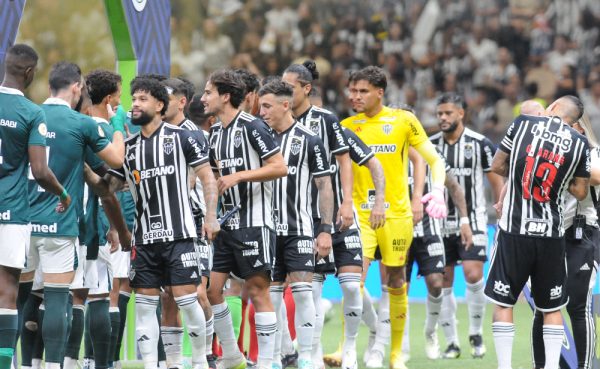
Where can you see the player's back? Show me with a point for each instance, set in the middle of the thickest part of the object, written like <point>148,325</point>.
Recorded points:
<point>544,155</point>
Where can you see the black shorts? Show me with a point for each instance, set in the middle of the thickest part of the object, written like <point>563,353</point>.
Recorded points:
<point>244,252</point>
<point>455,250</point>
<point>205,251</point>
<point>428,253</point>
<point>346,250</point>
<point>293,254</point>
<point>160,264</point>
<point>515,258</point>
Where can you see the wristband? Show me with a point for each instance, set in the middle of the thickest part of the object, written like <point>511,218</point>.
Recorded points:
<point>464,220</point>
<point>63,196</point>
<point>324,228</point>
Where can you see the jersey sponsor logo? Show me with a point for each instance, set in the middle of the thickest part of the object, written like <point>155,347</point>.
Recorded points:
<point>188,259</point>
<point>387,128</point>
<point>169,145</point>
<point>352,242</point>
<point>435,249</point>
<point>281,227</point>
<point>461,172</point>
<point>153,235</point>
<point>399,244</point>
<point>562,138</point>
<point>371,201</point>
<point>319,158</point>
<point>139,5</point>
<point>5,215</point>
<point>383,149</point>
<point>501,288</point>
<point>230,163</point>
<point>468,150</point>
<point>203,250</point>
<point>261,144</point>
<point>480,240</point>
<point>305,247</point>
<point>141,175</point>
<point>237,139</point>
<point>357,149</point>
<point>536,227</point>
<point>555,292</point>
<point>44,228</point>
<point>12,124</point>
<point>295,146</point>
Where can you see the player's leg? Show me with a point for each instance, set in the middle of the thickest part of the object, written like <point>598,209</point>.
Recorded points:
<point>448,310</point>
<point>278,277</point>
<point>370,252</point>
<point>171,330</point>
<point>120,266</point>
<point>432,267</point>
<point>233,298</point>
<point>31,325</point>
<point>123,302</point>
<point>205,255</point>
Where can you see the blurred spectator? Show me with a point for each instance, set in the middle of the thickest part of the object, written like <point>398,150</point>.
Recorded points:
<point>217,47</point>
<point>591,102</point>
<point>561,55</point>
<point>481,49</point>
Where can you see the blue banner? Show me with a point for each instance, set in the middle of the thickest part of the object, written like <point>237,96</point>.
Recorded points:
<point>11,12</point>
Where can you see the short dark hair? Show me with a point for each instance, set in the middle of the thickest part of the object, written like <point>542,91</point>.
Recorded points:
<point>188,87</point>
<point>84,100</point>
<point>374,75</point>
<point>307,71</point>
<point>175,86</point>
<point>154,88</point>
<point>277,88</point>
<point>63,74</point>
<point>156,76</point>
<point>269,79</point>
<point>576,110</point>
<point>101,83</point>
<point>197,113</point>
<point>250,80</point>
<point>229,82</point>
<point>19,57</point>
<point>451,98</point>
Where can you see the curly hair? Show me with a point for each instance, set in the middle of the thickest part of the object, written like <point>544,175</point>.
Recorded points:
<point>153,87</point>
<point>101,83</point>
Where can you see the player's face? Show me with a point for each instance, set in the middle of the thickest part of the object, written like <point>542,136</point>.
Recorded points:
<point>364,97</point>
<point>144,108</point>
<point>114,99</point>
<point>76,91</point>
<point>211,99</point>
<point>449,116</point>
<point>300,92</point>
<point>176,104</point>
<point>273,109</point>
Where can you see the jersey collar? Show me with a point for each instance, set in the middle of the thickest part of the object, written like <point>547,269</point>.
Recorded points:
<point>10,91</point>
<point>100,120</point>
<point>56,101</point>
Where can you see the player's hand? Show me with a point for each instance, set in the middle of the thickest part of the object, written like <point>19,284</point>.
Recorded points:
<point>112,236</point>
<point>417,209</point>
<point>436,203</point>
<point>345,215</point>
<point>210,229</point>
<point>498,208</point>
<point>466,236</point>
<point>226,182</point>
<point>377,217</point>
<point>323,245</point>
<point>125,240</point>
<point>63,205</point>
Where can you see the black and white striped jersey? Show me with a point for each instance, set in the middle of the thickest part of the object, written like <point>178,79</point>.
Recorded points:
<point>156,169</point>
<point>469,159</point>
<point>360,152</point>
<point>241,146</point>
<point>304,155</point>
<point>327,126</point>
<point>196,193</point>
<point>544,155</point>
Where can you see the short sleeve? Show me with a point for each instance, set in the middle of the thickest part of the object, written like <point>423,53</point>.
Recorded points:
<point>95,136</point>
<point>192,149</point>
<point>506,144</point>
<point>583,169</point>
<point>316,156</point>
<point>92,159</point>
<point>261,139</point>
<point>487,154</point>
<point>37,134</point>
<point>337,140</point>
<point>360,153</point>
<point>416,133</point>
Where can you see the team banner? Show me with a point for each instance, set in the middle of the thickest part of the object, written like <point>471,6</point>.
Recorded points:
<point>11,12</point>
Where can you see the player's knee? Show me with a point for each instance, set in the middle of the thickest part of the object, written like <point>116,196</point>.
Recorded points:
<point>31,326</point>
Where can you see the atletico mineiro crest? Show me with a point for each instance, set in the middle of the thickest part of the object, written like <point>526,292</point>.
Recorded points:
<point>237,139</point>
<point>387,128</point>
<point>168,145</point>
<point>295,146</point>
<point>468,151</point>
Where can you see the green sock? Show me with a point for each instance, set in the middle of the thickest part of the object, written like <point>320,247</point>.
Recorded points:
<point>38,346</point>
<point>162,356</point>
<point>24,291</point>
<point>123,301</point>
<point>56,299</point>
<point>235,307</point>
<point>8,333</point>
<point>29,328</point>
<point>69,323</point>
<point>88,349</point>
<point>100,332</point>
<point>74,341</point>
<point>115,321</point>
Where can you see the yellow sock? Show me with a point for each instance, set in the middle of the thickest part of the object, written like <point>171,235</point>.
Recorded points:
<point>398,309</point>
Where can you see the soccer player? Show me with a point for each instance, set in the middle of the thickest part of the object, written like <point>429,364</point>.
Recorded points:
<point>469,154</point>
<point>246,158</point>
<point>542,157</point>
<point>304,155</point>
<point>389,133</point>
<point>163,252</point>
<point>327,126</point>
<point>22,142</point>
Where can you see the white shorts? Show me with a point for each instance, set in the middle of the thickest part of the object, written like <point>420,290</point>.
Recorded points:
<point>38,280</point>
<point>120,263</point>
<point>52,254</point>
<point>86,275</point>
<point>14,245</point>
<point>105,272</point>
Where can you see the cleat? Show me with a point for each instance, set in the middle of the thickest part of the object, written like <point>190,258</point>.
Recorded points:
<point>305,364</point>
<point>375,360</point>
<point>477,346</point>
<point>349,360</point>
<point>275,365</point>
<point>236,362</point>
<point>398,363</point>
<point>212,361</point>
<point>200,366</point>
<point>289,360</point>
<point>452,352</point>
<point>432,346</point>
<point>334,360</point>
<point>370,344</point>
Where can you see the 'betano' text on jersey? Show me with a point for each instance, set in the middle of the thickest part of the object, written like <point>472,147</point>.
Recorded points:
<point>22,124</point>
<point>544,155</point>
<point>304,154</point>
<point>243,145</point>
<point>156,169</point>
<point>469,159</point>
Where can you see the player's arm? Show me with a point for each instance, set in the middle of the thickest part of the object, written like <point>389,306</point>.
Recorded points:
<point>209,188</point>
<point>377,217</point>
<point>112,209</point>
<point>458,198</point>
<point>112,154</point>
<point>500,163</point>
<point>436,204</point>
<point>418,184</point>
<point>324,242</point>
<point>497,184</point>
<point>579,187</point>
<point>345,214</point>
<point>44,176</point>
<point>580,184</point>
<point>595,174</point>
<point>273,167</point>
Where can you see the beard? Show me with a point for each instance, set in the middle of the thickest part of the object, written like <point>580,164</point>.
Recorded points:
<point>142,120</point>
<point>452,128</point>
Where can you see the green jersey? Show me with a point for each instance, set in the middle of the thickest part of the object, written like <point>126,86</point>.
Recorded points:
<point>22,124</point>
<point>69,135</point>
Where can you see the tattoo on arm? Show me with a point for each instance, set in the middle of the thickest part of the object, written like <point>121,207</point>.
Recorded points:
<point>456,194</point>
<point>325,199</point>
<point>209,187</point>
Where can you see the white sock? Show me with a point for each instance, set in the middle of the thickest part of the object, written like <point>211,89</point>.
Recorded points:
<point>224,330</point>
<point>317,288</point>
<point>68,363</point>
<point>172,338</point>
<point>266,326</point>
<point>195,322</point>
<point>504,334</point>
<point>382,338</point>
<point>432,315</point>
<point>210,331</point>
<point>287,346</point>
<point>476,303</point>
<point>448,316</point>
<point>553,338</point>
<point>352,305</point>
<point>276,294</point>
<point>52,366</point>
<point>406,335</point>
<point>304,318</point>
<point>36,363</point>
<point>162,365</point>
<point>147,329</point>
<point>369,315</point>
